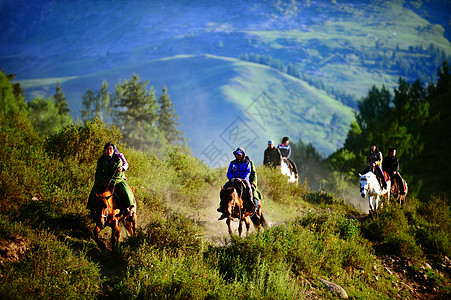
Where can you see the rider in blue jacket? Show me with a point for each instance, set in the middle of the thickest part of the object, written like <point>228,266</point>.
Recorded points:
<point>240,167</point>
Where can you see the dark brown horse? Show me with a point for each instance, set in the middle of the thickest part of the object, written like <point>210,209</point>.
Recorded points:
<point>400,196</point>
<point>107,212</point>
<point>232,202</point>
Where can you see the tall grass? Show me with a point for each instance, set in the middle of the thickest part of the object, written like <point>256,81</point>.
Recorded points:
<point>313,234</point>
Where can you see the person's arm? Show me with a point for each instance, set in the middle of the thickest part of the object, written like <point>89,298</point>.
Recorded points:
<point>279,158</point>
<point>246,172</point>
<point>124,161</point>
<point>379,159</point>
<point>288,151</point>
<point>229,172</point>
<point>396,165</point>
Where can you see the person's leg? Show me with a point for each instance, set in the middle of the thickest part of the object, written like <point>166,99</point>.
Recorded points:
<point>382,177</point>
<point>249,191</point>
<point>127,197</point>
<point>295,168</point>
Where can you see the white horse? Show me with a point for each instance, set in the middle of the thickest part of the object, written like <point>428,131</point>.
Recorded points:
<point>369,186</point>
<point>285,169</point>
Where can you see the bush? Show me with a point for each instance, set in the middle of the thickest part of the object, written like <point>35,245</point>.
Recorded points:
<point>49,270</point>
<point>273,183</point>
<point>392,229</point>
<point>173,233</point>
<point>82,143</point>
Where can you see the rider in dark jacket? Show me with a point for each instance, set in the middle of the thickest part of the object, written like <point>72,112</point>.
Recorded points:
<point>391,166</point>
<point>110,170</point>
<point>272,156</point>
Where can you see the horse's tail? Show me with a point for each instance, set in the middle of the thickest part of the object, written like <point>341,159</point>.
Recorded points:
<point>259,221</point>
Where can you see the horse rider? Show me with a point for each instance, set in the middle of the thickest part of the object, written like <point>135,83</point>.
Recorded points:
<point>391,166</point>
<point>240,167</point>
<point>110,170</point>
<point>285,150</point>
<point>272,156</point>
<point>374,162</point>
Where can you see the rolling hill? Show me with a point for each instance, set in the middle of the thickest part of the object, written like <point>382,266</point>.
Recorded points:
<point>334,47</point>
<point>263,102</point>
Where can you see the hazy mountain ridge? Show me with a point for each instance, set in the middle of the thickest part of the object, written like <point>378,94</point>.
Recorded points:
<point>349,46</point>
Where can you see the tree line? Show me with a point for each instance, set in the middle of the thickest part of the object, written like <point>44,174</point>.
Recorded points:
<point>146,122</point>
<point>414,120</point>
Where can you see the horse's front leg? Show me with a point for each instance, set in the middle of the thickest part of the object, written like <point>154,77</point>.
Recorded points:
<point>370,201</point>
<point>248,225</point>
<point>240,227</point>
<point>115,235</point>
<point>99,243</point>
<point>228,225</point>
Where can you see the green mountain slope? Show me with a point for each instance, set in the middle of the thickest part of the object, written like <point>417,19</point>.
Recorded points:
<point>337,46</point>
<point>226,103</point>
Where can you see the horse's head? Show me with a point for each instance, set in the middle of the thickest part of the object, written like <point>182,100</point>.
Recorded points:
<point>363,185</point>
<point>230,194</point>
<point>102,207</point>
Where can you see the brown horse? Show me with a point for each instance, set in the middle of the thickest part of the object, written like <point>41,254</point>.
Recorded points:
<point>400,196</point>
<point>107,212</point>
<point>233,204</point>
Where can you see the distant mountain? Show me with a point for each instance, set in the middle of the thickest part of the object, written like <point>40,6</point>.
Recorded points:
<point>315,51</point>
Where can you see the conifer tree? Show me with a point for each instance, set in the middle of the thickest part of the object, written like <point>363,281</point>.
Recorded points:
<point>60,100</point>
<point>137,113</point>
<point>167,118</point>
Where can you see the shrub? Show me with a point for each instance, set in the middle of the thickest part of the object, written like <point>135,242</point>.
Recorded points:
<point>271,182</point>
<point>392,229</point>
<point>173,233</point>
<point>82,143</point>
<point>49,270</point>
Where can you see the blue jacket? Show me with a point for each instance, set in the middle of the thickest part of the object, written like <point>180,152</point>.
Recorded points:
<point>239,169</point>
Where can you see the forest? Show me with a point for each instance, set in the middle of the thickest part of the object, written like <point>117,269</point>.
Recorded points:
<point>180,249</point>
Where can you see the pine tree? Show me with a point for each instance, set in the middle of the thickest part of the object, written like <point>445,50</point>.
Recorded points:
<point>167,117</point>
<point>60,100</point>
<point>137,113</point>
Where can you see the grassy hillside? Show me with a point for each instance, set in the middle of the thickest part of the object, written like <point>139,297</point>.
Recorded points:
<point>181,251</point>
<point>210,93</point>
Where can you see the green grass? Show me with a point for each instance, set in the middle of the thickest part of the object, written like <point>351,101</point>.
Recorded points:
<point>181,250</point>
